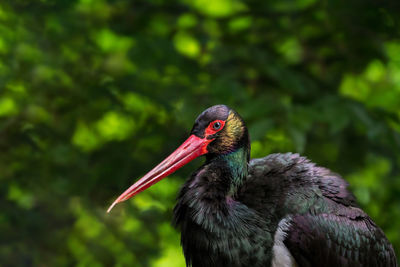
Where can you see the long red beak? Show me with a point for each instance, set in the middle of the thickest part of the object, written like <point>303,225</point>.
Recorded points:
<point>192,148</point>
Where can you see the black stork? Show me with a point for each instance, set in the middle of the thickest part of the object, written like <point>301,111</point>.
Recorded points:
<point>280,210</point>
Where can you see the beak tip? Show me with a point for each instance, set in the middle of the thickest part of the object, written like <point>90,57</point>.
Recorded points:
<point>112,206</point>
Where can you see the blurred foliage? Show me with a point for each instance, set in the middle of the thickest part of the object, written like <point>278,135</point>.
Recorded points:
<point>93,93</point>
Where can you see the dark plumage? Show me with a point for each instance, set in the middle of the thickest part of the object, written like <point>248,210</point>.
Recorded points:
<point>281,210</point>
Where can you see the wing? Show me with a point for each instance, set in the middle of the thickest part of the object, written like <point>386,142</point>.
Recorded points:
<point>294,183</point>
<point>347,238</point>
<point>326,227</point>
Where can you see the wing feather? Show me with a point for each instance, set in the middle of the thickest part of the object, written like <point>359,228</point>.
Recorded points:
<point>347,238</point>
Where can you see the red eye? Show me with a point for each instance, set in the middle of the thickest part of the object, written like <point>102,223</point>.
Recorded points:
<point>214,127</point>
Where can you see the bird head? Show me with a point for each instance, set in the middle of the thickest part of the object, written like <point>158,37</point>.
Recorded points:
<point>218,130</point>
<point>221,128</point>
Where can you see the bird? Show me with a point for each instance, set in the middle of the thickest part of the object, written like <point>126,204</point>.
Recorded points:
<point>280,210</point>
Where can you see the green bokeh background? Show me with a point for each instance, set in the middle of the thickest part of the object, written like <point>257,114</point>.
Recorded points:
<point>94,93</point>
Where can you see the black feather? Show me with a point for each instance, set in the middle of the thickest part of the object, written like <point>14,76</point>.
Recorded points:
<point>229,211</point>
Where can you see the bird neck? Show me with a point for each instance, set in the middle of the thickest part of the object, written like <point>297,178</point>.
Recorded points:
<point>236,164</point>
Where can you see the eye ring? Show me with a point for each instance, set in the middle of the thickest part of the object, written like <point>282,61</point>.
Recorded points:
<point>216,125</point>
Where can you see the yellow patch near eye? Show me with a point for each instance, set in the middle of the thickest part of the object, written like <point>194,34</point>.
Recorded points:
<point>233,129</point>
